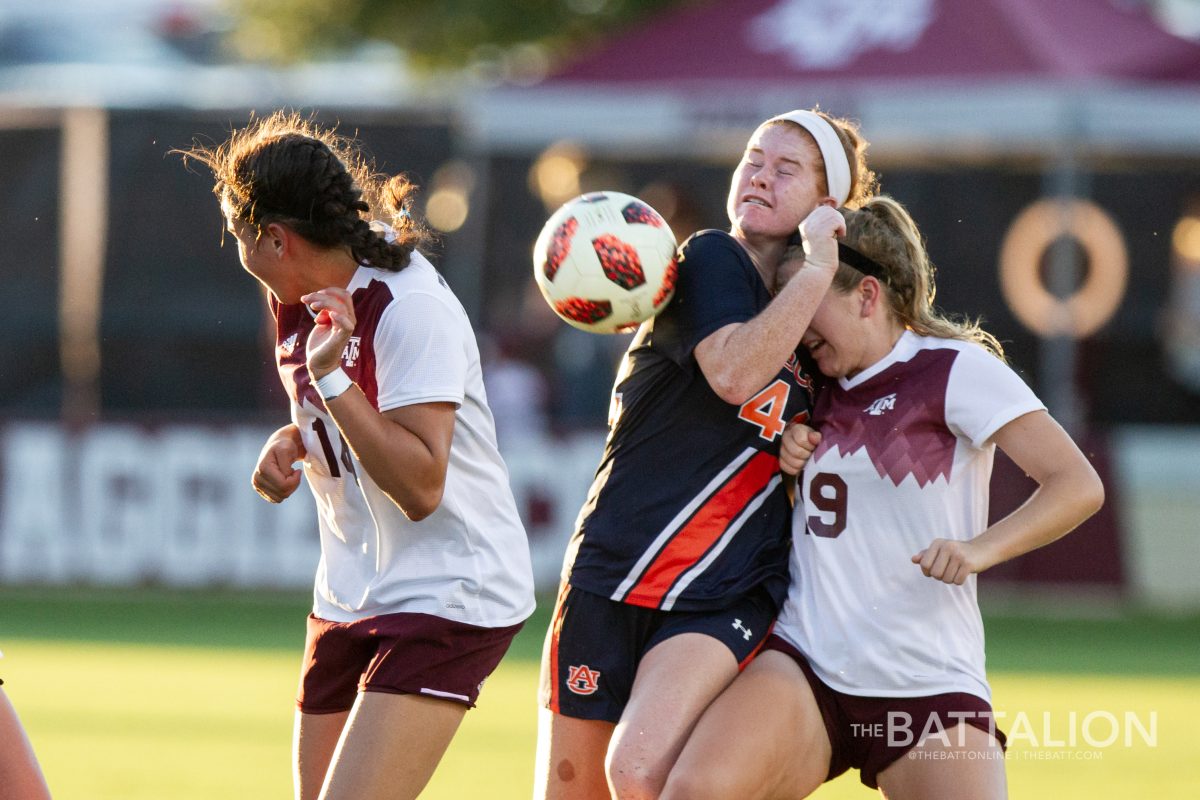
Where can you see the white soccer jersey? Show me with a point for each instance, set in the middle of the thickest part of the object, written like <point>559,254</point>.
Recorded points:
<point>467,561</point>
<point>904,459</point>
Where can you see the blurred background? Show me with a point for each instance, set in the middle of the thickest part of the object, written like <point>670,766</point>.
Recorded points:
<point>1049,152</point>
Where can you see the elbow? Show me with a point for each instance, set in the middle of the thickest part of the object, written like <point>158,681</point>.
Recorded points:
<point>1093,495</point>
<point>423,503</point>
<point>727,387</point>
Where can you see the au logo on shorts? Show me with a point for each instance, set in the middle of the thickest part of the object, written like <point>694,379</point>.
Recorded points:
<point>583,679</point>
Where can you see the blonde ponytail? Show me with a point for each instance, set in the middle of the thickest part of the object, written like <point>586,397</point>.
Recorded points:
<point>885,232</point>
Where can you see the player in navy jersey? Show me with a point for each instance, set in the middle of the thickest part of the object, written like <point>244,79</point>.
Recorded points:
<point>678,562</point>
<point>877,661</point>
<point>424,575</point>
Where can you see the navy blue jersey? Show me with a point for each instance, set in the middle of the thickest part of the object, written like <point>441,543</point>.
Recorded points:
<point>687,510</point>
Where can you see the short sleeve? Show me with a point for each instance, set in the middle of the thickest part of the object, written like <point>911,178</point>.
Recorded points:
<point>718,286</point>
<point>984,394</point>
<point>421,352</point>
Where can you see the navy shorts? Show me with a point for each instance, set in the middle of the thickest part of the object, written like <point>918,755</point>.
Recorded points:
<point>872,733</point>
<point>595,644</point>
<point>398,654</point>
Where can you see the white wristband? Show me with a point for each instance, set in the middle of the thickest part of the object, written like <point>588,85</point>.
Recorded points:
<point>333,384</point>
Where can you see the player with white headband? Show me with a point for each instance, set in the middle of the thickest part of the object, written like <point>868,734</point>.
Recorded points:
<point>678,563</point>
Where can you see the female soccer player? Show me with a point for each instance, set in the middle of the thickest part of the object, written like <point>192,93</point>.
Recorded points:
<point>678,562</point>
<point>424,575</point>
<point>877,659</point>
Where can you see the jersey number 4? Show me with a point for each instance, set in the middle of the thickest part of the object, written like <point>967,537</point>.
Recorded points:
<point>765,409</point>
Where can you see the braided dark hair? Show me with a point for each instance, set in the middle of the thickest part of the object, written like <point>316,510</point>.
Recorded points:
<point>286,169</point>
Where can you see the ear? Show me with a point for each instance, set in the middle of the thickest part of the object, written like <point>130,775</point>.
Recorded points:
<point>277,238</point>
<point>870,295</point>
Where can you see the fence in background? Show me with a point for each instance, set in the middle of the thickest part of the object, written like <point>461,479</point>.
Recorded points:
<point>171,504</point>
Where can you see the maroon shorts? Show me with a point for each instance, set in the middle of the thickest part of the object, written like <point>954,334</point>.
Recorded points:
<point>398,654</point>
<point>870,733</point>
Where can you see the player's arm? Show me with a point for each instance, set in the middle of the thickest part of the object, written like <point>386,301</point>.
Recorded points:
<point>275,477</point>
<point>1069,491</point>
<point>405,450</point>
<point>740,358</point>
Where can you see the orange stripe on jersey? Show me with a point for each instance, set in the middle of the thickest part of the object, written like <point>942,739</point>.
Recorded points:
<point>702,531</point>
<point>552,644</point>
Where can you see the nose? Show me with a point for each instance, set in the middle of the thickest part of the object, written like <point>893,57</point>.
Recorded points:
<point>759,177</point>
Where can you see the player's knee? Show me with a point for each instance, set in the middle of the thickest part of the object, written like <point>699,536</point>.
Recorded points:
<point>632,778</point>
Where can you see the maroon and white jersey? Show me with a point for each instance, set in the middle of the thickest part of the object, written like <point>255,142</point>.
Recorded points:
<point>904,459</point>
<point>468,560</point>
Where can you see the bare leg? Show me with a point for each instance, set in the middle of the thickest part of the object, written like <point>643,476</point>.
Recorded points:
<point>391,745</point>
<point>968,765</point>
<point>570,758</point>
<point>314,738</point>
<point>675,682</point>
<point>762,739</point>
<point>20,775</point>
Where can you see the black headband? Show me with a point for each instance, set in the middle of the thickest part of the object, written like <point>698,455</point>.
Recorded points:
<point>867,266</point>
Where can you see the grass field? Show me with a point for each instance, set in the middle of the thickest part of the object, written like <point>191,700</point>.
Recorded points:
<point>157,695</point>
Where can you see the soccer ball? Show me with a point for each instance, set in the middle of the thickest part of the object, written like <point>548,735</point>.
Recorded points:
<point>605,262</point>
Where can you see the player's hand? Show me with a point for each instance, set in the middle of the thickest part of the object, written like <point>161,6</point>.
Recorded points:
<point>275,477</point>
<point>949,560</point>
<point>820,232</point>
<point>797,447</point>
<point>335,322</point>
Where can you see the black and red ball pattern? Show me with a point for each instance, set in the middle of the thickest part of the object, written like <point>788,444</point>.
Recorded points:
<point>620,261</point>
<point>560,246</point>
<point>589,312</point>
<point>639,213</point>
<point>668,284</point>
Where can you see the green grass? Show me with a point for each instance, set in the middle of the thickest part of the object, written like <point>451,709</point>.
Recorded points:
<point>156,694</point>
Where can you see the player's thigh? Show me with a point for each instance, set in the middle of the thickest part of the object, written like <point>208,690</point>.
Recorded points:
<point>762,738</point>
<point>314,740</point>
<point>676,680</point>
<point>570,758</point>
<point>391,745</point>
<point>965,763</point>
<point>20,775</point>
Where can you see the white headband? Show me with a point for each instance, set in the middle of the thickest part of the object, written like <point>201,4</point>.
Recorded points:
<point>837,167</point>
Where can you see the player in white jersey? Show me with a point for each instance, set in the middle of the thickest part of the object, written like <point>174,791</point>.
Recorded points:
<point>425,575</point>
<point>878,651</point>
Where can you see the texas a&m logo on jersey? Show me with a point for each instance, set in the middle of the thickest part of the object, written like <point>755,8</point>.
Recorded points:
<point>885,403</point>
<point>583,679</point>
<point>351,352</point>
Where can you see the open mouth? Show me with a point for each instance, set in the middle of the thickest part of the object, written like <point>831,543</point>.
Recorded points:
<point>814,344</point>
<point>756,201</point>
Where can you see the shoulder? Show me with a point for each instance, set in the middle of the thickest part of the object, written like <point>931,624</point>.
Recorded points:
<point>959,351</point>
<point>712,243</point>
<point>417,285</point>
<point>968,356</point>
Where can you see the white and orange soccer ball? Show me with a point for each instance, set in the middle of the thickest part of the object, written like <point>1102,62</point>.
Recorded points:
<point>605,262</point>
